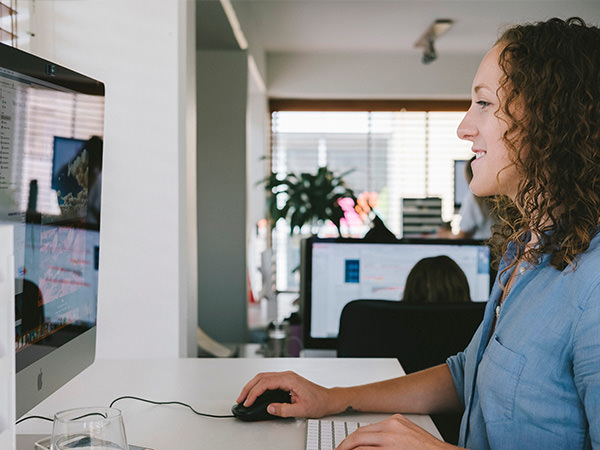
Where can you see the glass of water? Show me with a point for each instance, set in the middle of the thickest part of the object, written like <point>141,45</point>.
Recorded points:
<point>88,428</point>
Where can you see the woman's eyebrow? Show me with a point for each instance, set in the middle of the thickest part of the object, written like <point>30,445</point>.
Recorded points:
<point>479,87</point>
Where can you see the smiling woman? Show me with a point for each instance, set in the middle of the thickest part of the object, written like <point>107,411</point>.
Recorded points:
<point>529,377</point>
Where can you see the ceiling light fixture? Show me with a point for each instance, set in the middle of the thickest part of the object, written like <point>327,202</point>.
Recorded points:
<point>427,40</point>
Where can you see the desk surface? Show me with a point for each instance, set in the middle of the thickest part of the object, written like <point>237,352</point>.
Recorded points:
<point>211,386</point>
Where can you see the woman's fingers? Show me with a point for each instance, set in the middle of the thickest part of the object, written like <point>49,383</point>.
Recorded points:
<point>397,433</point>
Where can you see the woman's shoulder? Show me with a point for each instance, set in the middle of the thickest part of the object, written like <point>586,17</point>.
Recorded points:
<point>590,256</point>
<point>584,274</point>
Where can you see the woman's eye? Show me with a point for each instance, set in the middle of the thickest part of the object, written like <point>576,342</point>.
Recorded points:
<point>483,103</point>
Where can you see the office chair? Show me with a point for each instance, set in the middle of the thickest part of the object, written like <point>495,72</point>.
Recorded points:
<point>419,335</point>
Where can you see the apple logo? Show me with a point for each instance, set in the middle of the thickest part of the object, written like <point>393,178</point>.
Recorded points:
<point>40,380</point>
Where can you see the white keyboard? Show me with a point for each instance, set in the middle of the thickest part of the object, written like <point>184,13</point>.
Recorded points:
<point>327,434</point>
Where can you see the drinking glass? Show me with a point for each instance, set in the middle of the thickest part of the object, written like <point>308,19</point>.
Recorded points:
<point>94,428</point>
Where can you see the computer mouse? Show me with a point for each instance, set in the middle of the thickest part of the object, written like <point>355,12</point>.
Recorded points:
<point>258,409</point>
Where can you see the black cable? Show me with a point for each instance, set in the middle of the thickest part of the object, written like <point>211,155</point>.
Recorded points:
<point>23,419</point>
<point>215,416</point>
<point>104,416</point>
<point>52,420</point>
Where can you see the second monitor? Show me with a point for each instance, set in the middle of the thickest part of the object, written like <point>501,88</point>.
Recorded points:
<point>336,272</point>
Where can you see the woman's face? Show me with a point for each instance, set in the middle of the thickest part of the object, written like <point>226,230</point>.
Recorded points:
<point>493,171</point>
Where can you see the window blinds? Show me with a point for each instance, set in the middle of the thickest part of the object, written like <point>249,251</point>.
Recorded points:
<point>394,153</point>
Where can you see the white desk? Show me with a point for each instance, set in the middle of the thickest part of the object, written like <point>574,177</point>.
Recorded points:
<point>211,386</point>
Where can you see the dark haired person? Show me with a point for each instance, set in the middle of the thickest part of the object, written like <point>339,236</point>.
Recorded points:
<point>530,378</point>
<point>436,280</point>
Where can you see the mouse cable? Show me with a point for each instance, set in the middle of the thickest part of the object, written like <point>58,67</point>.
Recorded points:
<point>22,419</point>
<point>214,416</point>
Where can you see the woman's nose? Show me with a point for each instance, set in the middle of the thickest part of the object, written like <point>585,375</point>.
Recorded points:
<point>466,129</point>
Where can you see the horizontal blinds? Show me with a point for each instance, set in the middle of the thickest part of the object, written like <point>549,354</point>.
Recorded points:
<point>395,153</point>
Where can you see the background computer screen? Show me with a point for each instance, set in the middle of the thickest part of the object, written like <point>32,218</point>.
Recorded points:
<point>51,137</point>
<point>461,186</point>
<point>339,271</point>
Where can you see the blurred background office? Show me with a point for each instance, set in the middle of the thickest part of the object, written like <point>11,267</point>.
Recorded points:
<point>199,92</point>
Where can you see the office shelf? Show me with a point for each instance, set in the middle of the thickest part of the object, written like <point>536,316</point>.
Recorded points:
<point>421,216</point>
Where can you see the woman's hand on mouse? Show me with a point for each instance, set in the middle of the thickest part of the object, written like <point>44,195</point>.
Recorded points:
<point>307,398</point>
<point>396,433</point>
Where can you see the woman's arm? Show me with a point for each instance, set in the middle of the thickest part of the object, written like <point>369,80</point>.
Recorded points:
<point>423,392</point>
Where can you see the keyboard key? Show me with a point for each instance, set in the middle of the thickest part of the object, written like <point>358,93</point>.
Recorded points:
<point>327,434</point>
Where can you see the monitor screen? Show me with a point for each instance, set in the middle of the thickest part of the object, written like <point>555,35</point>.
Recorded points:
<point>51,137</point>
<point>461,185</point>
<point>336,272</point>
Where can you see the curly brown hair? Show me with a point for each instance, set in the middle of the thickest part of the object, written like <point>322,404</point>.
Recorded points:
<point>551,87</point>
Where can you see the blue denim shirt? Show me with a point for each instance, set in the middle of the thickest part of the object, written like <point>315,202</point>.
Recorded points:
<point>536,383</point>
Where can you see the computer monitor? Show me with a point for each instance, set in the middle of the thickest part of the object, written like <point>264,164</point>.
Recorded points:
<point>337,271</point>
<point>461,185</point>
<point>51,135</point>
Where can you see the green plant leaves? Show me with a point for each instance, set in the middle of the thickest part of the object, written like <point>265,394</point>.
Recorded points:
<point>307,198</point>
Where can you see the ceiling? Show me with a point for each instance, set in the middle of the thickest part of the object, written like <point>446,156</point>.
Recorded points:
<point>325,26</point>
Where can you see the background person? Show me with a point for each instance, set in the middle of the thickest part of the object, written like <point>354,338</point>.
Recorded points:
<point>436,280</point>
<point>476,214</point>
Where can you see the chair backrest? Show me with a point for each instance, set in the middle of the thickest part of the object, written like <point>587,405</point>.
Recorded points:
<point>419,335</point>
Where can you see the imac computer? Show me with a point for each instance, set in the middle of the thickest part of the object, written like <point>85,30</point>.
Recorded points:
<point>51,135</point>
<point>337,271</point>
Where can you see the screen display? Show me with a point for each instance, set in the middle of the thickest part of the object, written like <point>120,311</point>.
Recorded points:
<point>461,185</point>
<point>341,272</point>
<point>50,184</point>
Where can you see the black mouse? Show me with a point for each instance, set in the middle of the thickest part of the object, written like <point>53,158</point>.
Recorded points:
<point>258,409</point>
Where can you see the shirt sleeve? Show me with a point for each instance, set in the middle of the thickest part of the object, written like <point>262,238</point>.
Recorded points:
<point>586,363</point>
<point>456,364</point>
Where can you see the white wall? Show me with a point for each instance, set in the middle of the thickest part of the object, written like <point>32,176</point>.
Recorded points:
<point>143,50</point>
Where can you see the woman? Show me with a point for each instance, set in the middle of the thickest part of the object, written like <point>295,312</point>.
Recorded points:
<point>530,378</point>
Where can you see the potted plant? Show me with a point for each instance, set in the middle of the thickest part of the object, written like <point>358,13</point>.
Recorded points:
<point>307,199</point>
